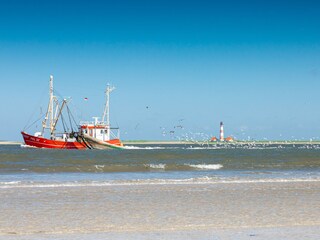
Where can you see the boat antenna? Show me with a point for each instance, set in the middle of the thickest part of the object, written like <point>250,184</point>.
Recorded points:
<point>106,112</point>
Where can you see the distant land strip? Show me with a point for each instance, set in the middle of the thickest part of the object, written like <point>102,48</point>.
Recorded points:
<point>236,142</point>
<point>10,143</point>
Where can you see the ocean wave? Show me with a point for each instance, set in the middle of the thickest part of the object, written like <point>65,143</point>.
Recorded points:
<point>156,166</point>
<point>206,166</point>
<point>10,183</point>
<point>137,182</point>
<point>203,148</point>
<point>99,167</point>
<point>145,148</point>
<point>26,146</point>
<point>133,147</point>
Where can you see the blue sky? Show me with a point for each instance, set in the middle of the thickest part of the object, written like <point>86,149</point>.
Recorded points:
<point>253,64</point>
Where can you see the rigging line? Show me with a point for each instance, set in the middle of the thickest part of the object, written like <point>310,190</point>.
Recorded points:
<point>68,110</point>
<point>27,127</point>
<point>116,123</point>
<point>72,115</point>
<point>35,109</point>
<point>63,123</point>
<point>57,93</point>
<point>78,112</point>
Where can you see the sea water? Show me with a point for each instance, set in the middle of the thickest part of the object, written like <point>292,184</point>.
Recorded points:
<point>161,192</point>
<point>165,164</point>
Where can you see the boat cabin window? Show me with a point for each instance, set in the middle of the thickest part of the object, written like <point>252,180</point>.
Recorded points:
<point>101,131</point>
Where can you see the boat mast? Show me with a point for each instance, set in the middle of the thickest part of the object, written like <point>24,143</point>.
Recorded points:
<point>51,105</point>
<point>106,112</point>
<point>49,114</point>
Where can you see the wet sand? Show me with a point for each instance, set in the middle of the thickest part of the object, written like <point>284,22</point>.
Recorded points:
<point>288,210</point>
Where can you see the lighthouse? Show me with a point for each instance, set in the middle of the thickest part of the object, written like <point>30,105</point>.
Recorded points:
<point>221,132</point>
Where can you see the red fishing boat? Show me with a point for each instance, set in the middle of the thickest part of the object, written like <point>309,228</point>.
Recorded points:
<point>41,142</point>
<point>92,135</point>
<point>54,139</point>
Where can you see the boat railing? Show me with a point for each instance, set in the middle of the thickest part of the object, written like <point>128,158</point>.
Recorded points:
<point>92,123</point>
<point>115,133</point>
<point>64,136</point>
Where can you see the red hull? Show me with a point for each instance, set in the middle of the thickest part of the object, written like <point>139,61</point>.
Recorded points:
<point>40,142</point>
<point>115,142</point>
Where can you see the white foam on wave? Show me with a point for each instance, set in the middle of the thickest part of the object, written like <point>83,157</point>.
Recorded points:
<point>26,146</point>
<point>156,166</point>
<point>132,147</point>
<point>143,148</point>
<point>206,166</point>
<point>203,148</point>
<point>137,182</point>
<point>166,147</point>
<point>10,183</point>
<point>99,167</point>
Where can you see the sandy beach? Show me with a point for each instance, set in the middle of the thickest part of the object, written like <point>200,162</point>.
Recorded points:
<point>273,210</point>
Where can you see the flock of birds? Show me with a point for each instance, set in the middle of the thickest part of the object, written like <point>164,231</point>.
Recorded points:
<point>180,133</point>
